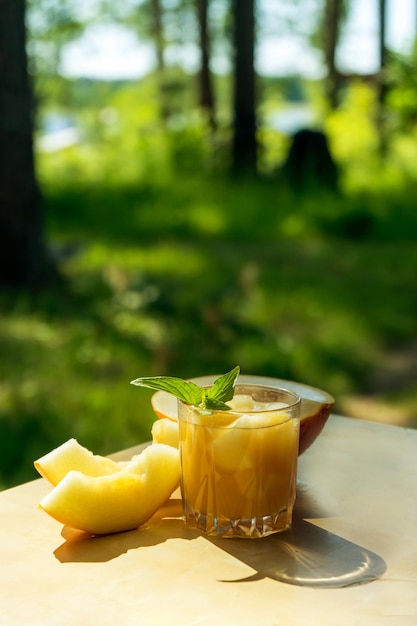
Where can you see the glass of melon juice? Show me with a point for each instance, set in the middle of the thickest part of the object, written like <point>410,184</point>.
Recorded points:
<point>239,467</point>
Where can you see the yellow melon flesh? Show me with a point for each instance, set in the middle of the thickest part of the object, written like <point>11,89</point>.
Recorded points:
<point>165,405</point>
<point>55,465</point>
<point>116,502</point>
<point>164,430</point>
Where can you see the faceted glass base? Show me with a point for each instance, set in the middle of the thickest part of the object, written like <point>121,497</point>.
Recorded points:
<point>250,528</point>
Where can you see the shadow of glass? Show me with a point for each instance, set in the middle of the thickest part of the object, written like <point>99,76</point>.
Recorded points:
<point>305,555</point>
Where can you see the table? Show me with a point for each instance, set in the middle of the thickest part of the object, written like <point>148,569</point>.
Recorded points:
<point>350,558</point>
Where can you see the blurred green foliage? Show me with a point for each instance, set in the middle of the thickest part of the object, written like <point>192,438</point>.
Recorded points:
<point>170,267</point>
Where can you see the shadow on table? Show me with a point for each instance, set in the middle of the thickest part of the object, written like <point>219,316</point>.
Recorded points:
<point>80,546</point>
<point>308,556</point>
<point>305,555</point>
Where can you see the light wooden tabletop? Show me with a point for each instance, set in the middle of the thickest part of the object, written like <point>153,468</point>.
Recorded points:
<point>350,558</point>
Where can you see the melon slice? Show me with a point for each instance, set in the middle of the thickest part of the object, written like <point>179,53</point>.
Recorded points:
<point>55,465</point>
<point>165,430</point>
<point>316,404</point>
<point>116,502</point>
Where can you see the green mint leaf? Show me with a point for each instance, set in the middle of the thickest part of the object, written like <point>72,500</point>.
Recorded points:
<point>215,405</point>
<point>223,387</point>
<point>213,398</point>
<point>182,389</point>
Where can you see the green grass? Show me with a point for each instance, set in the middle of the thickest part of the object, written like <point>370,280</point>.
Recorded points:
<point>188,274</point>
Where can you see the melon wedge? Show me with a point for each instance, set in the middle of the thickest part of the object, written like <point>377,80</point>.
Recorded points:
<point>55,465</point>
<point>316,404</point>
<point>165,430</point>
<point>116,502</point>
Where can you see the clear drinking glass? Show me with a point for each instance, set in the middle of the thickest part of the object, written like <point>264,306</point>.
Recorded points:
<point>239,467</point>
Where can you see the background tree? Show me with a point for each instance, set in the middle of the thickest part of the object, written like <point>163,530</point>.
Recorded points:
<point>206,92</point>
<point>244,146</point>
<point>382,49</point>
<point>158,33</point>
<point>333,15</point>
<point>163,23</point>
<point>23,252</point>
<point>382,85</point>
<point>325,36</point>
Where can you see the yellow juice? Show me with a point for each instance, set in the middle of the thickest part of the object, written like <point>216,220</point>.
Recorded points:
<point>239,468</point>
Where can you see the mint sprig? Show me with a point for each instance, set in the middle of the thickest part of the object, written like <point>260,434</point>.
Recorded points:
<point>212,398</point>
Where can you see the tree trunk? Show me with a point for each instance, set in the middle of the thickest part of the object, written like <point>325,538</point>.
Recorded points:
<point>382,84</point>
<point>244,149</point>
<point>206,93</point>
<point>382,51</point>
<point>334,10</point>
<point>23,253</point>
<point>158,33</point>
<point>159,39</point>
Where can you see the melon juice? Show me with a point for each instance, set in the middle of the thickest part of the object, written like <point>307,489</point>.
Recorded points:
<point>239,467</point>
